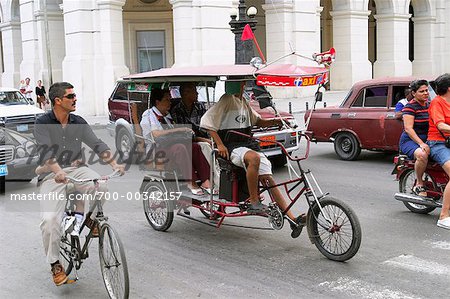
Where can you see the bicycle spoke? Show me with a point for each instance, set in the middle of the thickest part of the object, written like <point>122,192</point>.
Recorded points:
<point>113,267</point>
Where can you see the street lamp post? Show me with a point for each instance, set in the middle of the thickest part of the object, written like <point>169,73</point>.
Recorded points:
<point>244,51</point>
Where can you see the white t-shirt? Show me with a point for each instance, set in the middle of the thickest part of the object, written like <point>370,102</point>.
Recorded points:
<point>150,122</point>
<point>27,90</point>
<point>229,113</point>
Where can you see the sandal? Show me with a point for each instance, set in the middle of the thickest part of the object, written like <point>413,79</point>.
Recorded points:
<point>197,191</point>
<point>208,190</point>
<point>420,191</point>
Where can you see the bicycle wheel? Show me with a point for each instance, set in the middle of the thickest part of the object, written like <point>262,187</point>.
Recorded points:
<point>406,184</point>
<point>113,263</point>
<point>334,229</point>
<point>157,210</point>
<point>66,245</point>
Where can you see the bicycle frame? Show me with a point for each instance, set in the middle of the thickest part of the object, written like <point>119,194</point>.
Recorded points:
<point>82,249</point>
<point>310,188</point>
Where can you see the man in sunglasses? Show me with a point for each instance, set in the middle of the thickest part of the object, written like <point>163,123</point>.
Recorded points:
<point>59,135</point>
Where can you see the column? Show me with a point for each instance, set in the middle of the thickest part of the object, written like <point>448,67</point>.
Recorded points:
<point>51,44</point>
<point>350,39</point>
<point>306,31</point>
<point>12,48</point>
<point>392,45</point>
<point>279,30</point>
<point>213,41</point>
<point>440,36</point>
<point>306,36</point>
<point>446,49</point>
<point>424,46</point>
<point>30,66</point>
<point>182,31</point>
<point>79,62</point>
<point>110,54</point>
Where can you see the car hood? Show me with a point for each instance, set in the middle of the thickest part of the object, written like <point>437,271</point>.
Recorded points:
<point>18,110</point>
<point>268,112</point>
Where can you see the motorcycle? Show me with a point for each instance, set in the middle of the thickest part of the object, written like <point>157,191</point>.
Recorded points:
<point>435,179</point>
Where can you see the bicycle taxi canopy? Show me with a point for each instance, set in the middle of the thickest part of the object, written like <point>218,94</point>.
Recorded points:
<point>272,75</point>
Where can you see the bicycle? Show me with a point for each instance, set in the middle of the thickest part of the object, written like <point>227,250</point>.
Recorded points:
<point>113,264</point>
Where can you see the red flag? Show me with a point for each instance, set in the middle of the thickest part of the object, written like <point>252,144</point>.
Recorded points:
<point>247,33</point>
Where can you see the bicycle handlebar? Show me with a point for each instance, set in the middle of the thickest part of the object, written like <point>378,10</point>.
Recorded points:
<point>112,175</point>
<point>283,149</point>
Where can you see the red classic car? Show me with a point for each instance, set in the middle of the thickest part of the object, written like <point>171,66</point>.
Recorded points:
<point>364,120</point>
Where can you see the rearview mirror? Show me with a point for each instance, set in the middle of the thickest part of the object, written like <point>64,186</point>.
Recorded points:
<point>319,96</point>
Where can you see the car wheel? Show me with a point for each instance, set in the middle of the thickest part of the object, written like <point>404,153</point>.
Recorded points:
<point>125,145</point>
<point>278,161</point>
<point>347,146</point>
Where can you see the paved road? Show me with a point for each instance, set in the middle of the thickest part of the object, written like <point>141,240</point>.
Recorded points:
<point>402,255</point>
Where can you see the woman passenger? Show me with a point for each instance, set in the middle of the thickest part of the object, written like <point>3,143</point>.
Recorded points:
<point>414,137</point>
<point>157,122</point>
<point>440,130</point>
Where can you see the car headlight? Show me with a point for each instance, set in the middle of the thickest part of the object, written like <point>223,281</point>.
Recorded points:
<point>20,153</point>
<point>26,150</point>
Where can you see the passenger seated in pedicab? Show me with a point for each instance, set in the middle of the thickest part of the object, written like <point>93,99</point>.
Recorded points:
<point>414,137</point>
<point>157,125</point>
<point>189,111</point>
<point>232,112</point>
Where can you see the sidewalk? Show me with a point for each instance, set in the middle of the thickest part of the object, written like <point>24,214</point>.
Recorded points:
<point>298,105</point>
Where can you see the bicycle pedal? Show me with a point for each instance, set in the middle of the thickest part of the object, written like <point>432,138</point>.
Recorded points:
<point>71,281</point>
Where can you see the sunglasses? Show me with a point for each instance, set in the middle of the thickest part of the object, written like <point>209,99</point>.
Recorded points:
<point>70,96</point>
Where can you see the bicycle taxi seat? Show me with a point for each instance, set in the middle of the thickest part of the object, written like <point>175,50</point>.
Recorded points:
<point>238,178</point>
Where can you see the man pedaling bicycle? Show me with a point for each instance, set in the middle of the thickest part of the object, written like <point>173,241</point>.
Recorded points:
<point>232,112</point>
<point>59,135</point>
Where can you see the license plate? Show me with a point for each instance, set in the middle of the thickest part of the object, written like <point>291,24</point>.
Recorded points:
<point>266,140</point>
<point>3,170</point>
<point>22,128</point>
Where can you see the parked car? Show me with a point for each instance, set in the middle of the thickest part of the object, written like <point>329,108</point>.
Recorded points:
<point>18,157</point>
<point>127,102</point>
<point>16,112</point>
<point>364,120</point>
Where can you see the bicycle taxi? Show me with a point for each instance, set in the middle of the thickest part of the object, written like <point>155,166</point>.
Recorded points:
<point>332,225</point>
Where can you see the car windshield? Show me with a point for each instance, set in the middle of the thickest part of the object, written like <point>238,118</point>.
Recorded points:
<point>346,98</point>
<point>8,98</point>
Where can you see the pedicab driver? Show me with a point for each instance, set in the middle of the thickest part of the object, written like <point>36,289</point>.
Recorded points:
<point>234,113</point>
<point>59,135</point>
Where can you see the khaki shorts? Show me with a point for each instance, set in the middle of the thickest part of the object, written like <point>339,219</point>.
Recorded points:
<point>237,158</point>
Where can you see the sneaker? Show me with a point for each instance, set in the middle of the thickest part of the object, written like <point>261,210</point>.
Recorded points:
<point>420,191</point>
<point>59,275</point>
<point>444,223</point>
<point>77,225</point>
<point>258,208</point>
<point>297,228</point>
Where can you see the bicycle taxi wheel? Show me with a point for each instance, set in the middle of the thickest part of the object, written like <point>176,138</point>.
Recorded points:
<point>159,212</point>
<point>334,229</point>
<point>113,263</point>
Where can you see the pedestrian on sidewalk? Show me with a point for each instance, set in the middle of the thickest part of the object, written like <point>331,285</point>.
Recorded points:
<point>41,100</point>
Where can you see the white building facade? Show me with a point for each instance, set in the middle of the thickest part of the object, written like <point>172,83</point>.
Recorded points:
<point>91,43</point>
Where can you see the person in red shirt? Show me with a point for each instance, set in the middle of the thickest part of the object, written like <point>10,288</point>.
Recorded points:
<point>439,130</point>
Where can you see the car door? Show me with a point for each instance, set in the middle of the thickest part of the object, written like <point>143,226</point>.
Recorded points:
<point>118,103</point>
<point>366,116</point>
<point>393,127</point>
